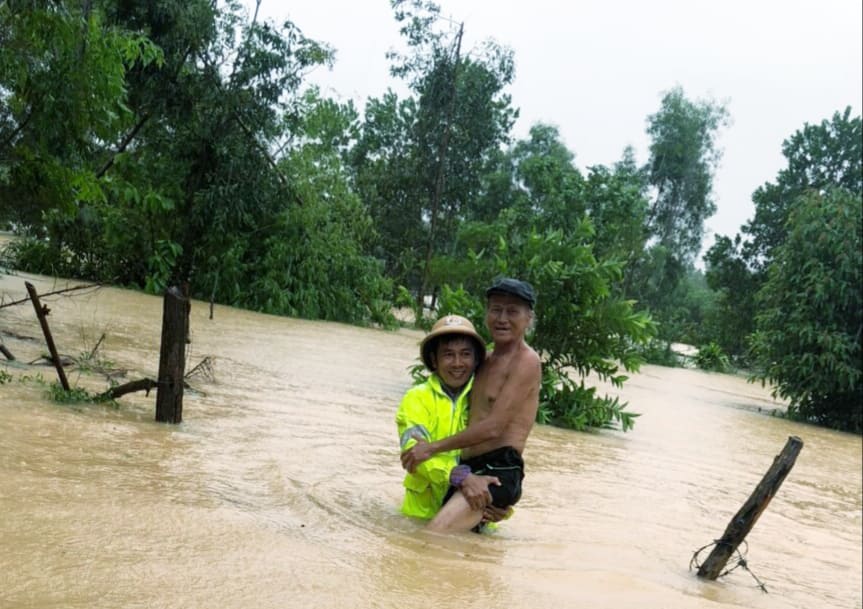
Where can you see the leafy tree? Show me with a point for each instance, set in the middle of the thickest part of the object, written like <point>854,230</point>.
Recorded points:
<point>383,163</point>
<point>548,182</point>
<point>820,157</point>
<point>809,324</point>
<point>616,201</point>
<point>683,156</point>
<point>679,177</point>
<point>314,262</point>
<point>537,175</point>
<point>732,319</point>
<point>446,132</point>
<point>60,64</point>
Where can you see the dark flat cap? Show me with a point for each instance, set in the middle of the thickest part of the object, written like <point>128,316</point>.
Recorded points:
<point>513,287</point>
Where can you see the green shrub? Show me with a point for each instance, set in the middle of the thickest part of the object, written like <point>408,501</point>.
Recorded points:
<point>75,395</point>
<point>565,403</point>
<point>711,357</point>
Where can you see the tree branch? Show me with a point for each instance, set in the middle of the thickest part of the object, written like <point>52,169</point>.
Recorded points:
<point>10,140</point>
<point>123,145</point>
<point>130,387</point>
<point>63,291</point>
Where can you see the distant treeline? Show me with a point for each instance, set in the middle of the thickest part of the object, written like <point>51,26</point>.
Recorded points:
<point>146,143</point>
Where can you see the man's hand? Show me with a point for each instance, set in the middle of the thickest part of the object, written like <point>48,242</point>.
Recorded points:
<point>475,490</point>
<point>491,513</point>
<point>419,452</point>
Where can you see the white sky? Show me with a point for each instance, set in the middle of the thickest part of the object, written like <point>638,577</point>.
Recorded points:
<point>596,69</point>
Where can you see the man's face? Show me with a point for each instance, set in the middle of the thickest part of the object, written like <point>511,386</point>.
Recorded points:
<point>507,317</point>
<point>455,359</point>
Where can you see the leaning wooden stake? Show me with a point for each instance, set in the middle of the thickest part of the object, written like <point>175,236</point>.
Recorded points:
<point>42,314</point>
<point>6,353</point>
<point>172,357</point>
<point>747,516</point>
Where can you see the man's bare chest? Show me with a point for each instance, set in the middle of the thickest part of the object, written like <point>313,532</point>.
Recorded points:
<point>488,385</point>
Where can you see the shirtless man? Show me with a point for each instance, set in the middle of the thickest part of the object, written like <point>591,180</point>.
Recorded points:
<point>503,406</point>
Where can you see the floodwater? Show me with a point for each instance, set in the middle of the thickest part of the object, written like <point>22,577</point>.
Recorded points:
<point>281,487</point>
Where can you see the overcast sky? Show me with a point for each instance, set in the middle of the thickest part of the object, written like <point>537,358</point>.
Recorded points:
<point>597,68</point>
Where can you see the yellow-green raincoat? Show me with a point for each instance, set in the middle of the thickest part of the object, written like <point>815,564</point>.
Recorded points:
<point>427,412</point>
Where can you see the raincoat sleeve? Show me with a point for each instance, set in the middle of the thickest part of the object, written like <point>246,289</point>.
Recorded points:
<point>416,420</point>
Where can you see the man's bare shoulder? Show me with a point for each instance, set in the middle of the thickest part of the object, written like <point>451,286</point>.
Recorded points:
<point>528,360</point>
<point>528,354</point>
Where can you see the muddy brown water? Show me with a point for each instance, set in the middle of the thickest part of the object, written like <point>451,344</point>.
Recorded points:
<point>281,487</point>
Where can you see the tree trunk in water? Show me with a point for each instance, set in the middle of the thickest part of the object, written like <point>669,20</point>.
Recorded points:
<point>748,515</point>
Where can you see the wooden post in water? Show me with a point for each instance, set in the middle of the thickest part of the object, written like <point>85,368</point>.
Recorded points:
<point>747,516</point>
<point>172,357</point>
<point>42,314</point>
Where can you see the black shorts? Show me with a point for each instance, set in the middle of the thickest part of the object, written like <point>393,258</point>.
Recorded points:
<point>507,465</point>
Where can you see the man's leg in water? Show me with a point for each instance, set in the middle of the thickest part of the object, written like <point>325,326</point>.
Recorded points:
<point>455,516</point>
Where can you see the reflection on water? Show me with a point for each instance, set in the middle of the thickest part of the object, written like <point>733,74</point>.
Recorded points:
<point>281,487</point>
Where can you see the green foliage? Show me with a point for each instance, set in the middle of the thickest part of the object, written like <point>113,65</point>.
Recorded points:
<point>75,395</point>
<point>161,265</point>
<point>617,202</point>
<point>419,161</point>
<point>459,302</point>
<point>819,157</point>
<point>732,318</point>
<point>659,353</point>
<point>385,180</point>
<point>418,373</point>
<point>581,324</point>
<point>565,403</point>
<point>5,377</point>
<point>60,65</point>
<point>711,357</point>
<point>36,378</point>
<point>807,340</point>
<point>55,392</point>
<point>543,234</point>
<point>683,156</point>
<point>829,154</point>
<point>192,151</point>
<point>312,261</point>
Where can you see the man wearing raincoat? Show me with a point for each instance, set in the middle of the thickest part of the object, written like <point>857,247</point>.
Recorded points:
<point>437,408</point>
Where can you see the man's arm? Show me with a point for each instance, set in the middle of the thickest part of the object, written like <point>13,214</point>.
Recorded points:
<point>517,390</point>
<point>414,420</point>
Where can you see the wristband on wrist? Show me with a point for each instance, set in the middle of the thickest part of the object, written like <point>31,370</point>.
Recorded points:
<point>458,475</point>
